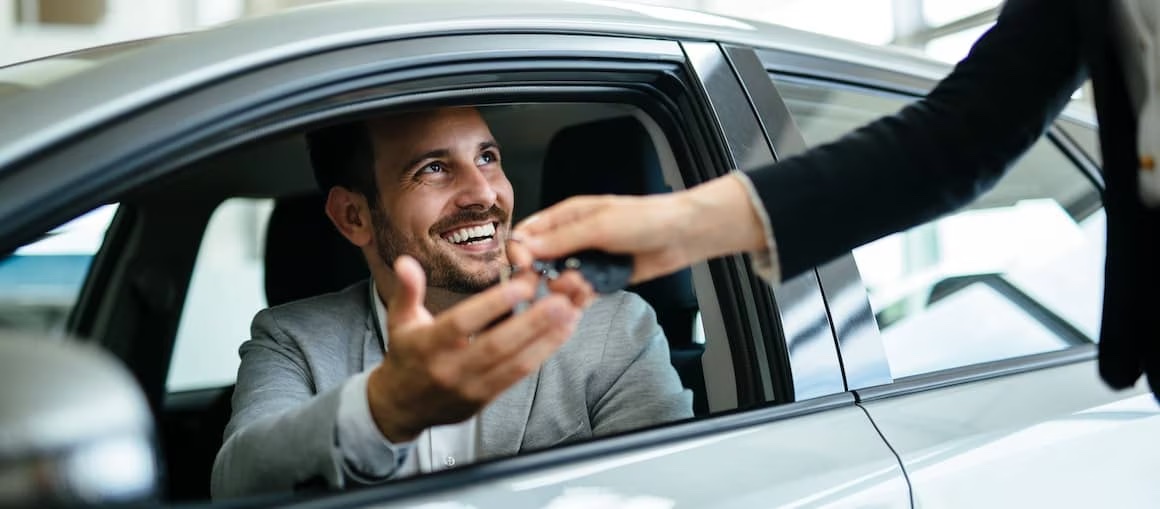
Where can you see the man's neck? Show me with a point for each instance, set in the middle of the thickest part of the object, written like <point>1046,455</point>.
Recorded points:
<point>439,300</point>
<point>436,301</point>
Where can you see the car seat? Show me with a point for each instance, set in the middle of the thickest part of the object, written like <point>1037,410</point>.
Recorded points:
<point>617,156</point>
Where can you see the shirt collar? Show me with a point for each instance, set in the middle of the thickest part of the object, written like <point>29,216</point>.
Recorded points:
<point>380,312</point>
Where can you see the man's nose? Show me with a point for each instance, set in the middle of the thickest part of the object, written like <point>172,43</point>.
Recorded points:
<point>475,189</point>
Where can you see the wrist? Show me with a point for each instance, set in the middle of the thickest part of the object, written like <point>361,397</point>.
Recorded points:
<point>391,420</point>
<point>721,218</point>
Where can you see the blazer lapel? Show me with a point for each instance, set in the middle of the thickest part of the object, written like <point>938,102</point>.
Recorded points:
<point>372,346</point>
<point>374,340</point>
<point>502,424</point>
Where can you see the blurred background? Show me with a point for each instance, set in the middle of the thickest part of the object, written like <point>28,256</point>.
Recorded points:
<point>943,29</point>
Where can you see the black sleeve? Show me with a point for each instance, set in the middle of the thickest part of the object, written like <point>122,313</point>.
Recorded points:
<point>936,154</point>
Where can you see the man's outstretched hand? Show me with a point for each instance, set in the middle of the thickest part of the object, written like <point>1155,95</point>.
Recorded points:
<point>444,369</point>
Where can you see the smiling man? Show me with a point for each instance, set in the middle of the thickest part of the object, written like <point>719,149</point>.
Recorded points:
<point>421,368</point>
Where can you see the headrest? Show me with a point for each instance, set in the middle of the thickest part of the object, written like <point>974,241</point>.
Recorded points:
<point>614,156</point>
<point>305,254</point>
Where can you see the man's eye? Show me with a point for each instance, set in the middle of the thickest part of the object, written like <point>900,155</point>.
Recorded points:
<point>486,158</point>
<point>436,167</point>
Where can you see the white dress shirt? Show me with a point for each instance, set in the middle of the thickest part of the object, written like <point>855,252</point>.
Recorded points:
<point>369,456</point>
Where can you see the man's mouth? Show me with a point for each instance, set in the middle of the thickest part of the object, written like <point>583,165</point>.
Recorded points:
<point>471,235</point>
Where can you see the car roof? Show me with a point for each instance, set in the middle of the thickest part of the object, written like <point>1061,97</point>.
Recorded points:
<point>167,66</point>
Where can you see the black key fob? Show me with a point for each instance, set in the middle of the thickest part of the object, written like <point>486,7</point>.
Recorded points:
<point>606,272</point>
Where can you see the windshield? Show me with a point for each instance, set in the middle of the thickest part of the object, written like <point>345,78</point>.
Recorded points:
<point>38,73</point>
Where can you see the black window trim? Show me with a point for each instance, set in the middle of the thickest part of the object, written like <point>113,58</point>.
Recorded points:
<point>977,372</point>
<point>720,94</point>
<point>813,371</point>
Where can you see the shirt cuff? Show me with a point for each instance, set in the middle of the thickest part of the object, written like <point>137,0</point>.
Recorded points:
<point>367,455</point>
<point>764,262</point>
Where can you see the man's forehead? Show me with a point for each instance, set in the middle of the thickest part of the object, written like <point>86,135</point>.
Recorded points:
<point>403,139</point>
<point>425,123</point>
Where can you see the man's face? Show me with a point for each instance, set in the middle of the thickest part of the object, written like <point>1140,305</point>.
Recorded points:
<point>443,196</point>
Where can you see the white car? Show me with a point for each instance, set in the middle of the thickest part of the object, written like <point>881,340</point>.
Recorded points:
<point>154,195</point>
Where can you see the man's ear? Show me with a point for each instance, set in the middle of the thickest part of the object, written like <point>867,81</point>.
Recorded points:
<point>351,214</point>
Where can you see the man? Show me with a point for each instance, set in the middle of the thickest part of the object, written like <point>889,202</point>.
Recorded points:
<point>317,399</point>
<point>932,157</point>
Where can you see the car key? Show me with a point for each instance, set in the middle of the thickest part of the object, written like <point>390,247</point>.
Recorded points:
<point>606,272</point>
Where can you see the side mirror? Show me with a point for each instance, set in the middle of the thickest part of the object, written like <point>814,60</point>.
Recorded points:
<point>75,429</point>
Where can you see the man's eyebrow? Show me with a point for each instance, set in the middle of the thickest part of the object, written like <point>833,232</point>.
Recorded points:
<point>432,154</point>
<point>444,153</point>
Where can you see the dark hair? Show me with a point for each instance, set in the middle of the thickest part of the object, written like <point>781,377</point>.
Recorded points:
<point>343,155</point>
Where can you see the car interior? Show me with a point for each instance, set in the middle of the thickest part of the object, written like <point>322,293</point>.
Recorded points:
<point>550,152</point>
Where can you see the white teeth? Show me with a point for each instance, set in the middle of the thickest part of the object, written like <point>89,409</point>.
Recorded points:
<point>470,232</point>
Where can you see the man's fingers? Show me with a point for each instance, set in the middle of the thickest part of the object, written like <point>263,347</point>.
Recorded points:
<point>572,284</point>
<point>406,302</point>
<point>525,361</point>
<point>475,313</point>
<point>518,255</point>
<point>499,343</point>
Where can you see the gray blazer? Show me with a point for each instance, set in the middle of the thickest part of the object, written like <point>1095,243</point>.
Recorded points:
<point>613,375</point>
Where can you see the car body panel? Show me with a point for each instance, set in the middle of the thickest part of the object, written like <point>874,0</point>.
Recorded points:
<point>829,458</point>
<point>1052,437</point>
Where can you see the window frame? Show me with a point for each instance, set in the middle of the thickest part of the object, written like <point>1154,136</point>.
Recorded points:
<point>809,346</point>
<point>866,367</point>
<point>146,145</point>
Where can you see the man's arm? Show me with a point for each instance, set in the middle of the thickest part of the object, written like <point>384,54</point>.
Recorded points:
<point>637,386</point>
<point>283,435</point>
<point>936,154</point>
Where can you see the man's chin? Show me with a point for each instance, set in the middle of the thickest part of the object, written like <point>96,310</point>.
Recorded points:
<point>467,284</point>
<point>467,278</point>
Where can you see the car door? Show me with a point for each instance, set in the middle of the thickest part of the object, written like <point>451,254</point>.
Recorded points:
<point>982,376</point>
<point>782,429</point>
<point>803,443</point>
